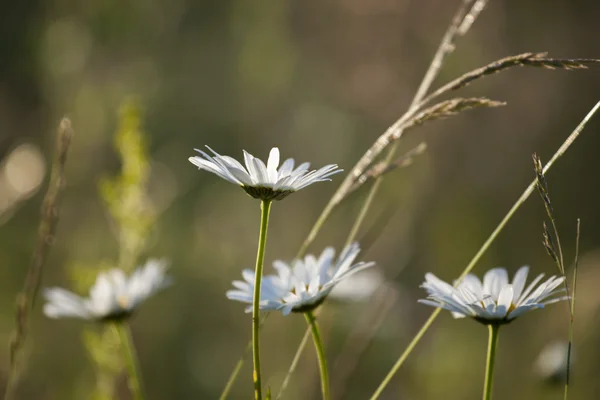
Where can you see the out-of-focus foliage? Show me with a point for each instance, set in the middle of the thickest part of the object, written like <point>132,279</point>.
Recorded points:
<point>320,80</point>
<point>126,195</point>
<point>131,216</point>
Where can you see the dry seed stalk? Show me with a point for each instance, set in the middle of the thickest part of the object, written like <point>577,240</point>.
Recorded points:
<point>46,231</point>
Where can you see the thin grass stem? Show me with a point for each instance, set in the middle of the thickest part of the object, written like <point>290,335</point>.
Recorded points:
<point>235,372</point>
<point>238,366</point>
<point>361,336</point>
<point>560,252</point>
<point>294,364</point>
<point>46,231</point>
<point>572,320</point>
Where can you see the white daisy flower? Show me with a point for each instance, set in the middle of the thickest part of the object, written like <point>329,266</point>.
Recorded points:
<point>358,287</point>
<point>113,296</point>
<point>270,182</point>
<point>551,364</point>
<point>494,300</point>
<point>302,285</point>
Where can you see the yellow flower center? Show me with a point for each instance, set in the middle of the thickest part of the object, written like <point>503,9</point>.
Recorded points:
<point>123,301</point>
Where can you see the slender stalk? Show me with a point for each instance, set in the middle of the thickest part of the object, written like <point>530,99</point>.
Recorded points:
<point>561,260</point>
<point>265,207</point>
<point>292,368</point>
<point>520,201</point>
<point>46,234</point>
<point>131,360</point>
<point>491,358</point>
<point>238,366</point>
<point>235,373</point>
<point>413,343</point>
<point>362,214</point>
<point>572,320</point>
<point>360,337</point>
<point>314,328</point>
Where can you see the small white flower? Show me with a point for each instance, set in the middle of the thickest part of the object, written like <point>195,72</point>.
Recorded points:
<point>265,182</point>
<point>301,286</point>
<point>551,364</point>
<point>113,296</point>
<point>358,287</point>
<point>494,300</point>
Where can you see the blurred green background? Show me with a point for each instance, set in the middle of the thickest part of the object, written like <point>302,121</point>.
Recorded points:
<point>321,80</point>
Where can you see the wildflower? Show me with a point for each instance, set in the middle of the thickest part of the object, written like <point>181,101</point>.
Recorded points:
<point>270,182</point>
<point>112,297</point>
<point>302,285</point>
<point>551,364</point>
<point>494,301</point>
<point>358,287</point>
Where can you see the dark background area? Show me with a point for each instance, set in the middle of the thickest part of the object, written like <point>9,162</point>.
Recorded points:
<point>320,80</point>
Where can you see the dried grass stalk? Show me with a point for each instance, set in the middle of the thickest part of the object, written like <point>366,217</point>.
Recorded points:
<point>520,60</point>
<point>49,219</point>
<point>449,108</point>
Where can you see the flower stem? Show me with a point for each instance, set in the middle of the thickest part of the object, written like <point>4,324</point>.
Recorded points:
<point>260,256</point>
<point>491,358</point>
<point>310,318</point>
<point>131,360</point>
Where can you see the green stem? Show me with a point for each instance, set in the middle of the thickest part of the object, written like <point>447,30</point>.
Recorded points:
<point>491,358</point>
<point>314,328</point>
<point>572,320</point>
<point>413,343</point>
<point>265,207</point>
<point>295,361</point>
<point>238,366</point>
<point>131,360</point>
<point>235,373</point>
<point>362,214</point>
<point>520,201</point>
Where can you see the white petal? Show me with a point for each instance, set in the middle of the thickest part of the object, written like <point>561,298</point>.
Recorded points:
<point>522,309</point>
<point>262,177</point>
<point>504,301</point>
<point>286,168</point>
<point>473,285</point>
<point>434,284</point>
<point>493,282</point>
<point>519,282</point>
<point>250,166</point>
<point>62,303</point>
<point>272,164</point>
<point>526,292</point>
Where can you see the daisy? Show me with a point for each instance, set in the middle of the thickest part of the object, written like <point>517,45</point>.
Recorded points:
<point>113,296</point>
<point>495,301</point>
<point>358,287</point>
<point>302,285</point>
<point>270,182</point>
<point>551,364</point>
